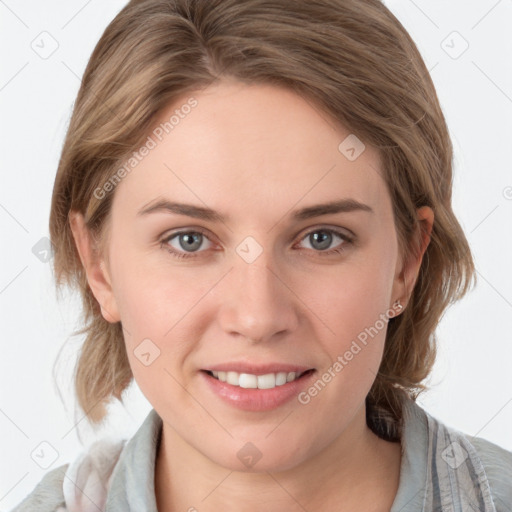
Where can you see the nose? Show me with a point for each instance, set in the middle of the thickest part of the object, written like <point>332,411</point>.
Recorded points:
<point>257,304</point>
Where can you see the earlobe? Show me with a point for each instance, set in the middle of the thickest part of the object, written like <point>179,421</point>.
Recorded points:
<point>94,265</point>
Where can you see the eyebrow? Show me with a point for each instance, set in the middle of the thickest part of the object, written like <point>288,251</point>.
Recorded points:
<point>207,214</point>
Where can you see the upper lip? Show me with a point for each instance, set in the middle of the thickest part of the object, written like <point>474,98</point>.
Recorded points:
<point>257,369</point>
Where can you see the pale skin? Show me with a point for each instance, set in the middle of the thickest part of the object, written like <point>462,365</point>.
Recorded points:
<point>256,154</point>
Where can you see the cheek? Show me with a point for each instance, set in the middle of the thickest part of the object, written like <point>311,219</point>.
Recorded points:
<point>149,292</point>
<point>357,312</point>
<point>353,298</point>
<point>158,302</point>
<point>153,311</point>
<point>353,305</point>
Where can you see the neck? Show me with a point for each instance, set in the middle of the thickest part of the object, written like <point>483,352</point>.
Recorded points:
<point>358,471</point>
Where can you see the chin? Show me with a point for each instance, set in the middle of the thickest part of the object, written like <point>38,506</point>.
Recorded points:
<point>260,457</point>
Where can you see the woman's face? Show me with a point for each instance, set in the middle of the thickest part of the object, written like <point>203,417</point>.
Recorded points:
<point>278,285</point>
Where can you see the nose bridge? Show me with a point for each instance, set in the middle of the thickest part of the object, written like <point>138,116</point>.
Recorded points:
<point>258,305</point>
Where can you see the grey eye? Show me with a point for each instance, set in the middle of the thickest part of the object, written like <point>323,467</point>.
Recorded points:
<point>189,241</point>
<point>321,239</point>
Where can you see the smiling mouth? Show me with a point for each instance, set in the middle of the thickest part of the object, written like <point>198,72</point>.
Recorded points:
<point>251,381</point>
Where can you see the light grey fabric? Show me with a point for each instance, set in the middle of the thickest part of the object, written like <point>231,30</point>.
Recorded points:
<point>47,496</point>
<point>442,470</point>
<point>498,468</point>
<point>132,487</point>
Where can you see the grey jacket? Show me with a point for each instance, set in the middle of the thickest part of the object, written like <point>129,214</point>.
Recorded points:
<point>442,470</point>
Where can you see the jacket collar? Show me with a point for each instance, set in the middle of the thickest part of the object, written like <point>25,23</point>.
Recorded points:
<point>430,476</point>
<point>132,487</point>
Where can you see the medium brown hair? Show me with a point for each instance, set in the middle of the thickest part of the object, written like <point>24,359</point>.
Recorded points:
<point>352,59</point>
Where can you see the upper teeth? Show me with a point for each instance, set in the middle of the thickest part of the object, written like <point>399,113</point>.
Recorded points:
<point>248,380</point>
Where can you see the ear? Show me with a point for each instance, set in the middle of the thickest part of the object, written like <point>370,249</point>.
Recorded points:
<point>95,267</point>
<point>408,270</point>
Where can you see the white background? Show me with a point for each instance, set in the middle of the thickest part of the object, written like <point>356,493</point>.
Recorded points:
<point>472,380</point>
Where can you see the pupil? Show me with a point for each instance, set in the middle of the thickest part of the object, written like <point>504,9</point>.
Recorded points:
<point>190,239</point>
<point>325,239</point>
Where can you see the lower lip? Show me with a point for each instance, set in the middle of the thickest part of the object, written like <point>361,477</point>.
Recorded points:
<point>251,399</point>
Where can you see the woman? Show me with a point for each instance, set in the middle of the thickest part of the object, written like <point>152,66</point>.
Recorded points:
<point>254,199</point>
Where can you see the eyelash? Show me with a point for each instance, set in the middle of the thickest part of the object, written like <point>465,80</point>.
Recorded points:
<point>177,254</point>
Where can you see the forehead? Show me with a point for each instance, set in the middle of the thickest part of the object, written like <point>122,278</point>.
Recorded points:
<point>252,148</point>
